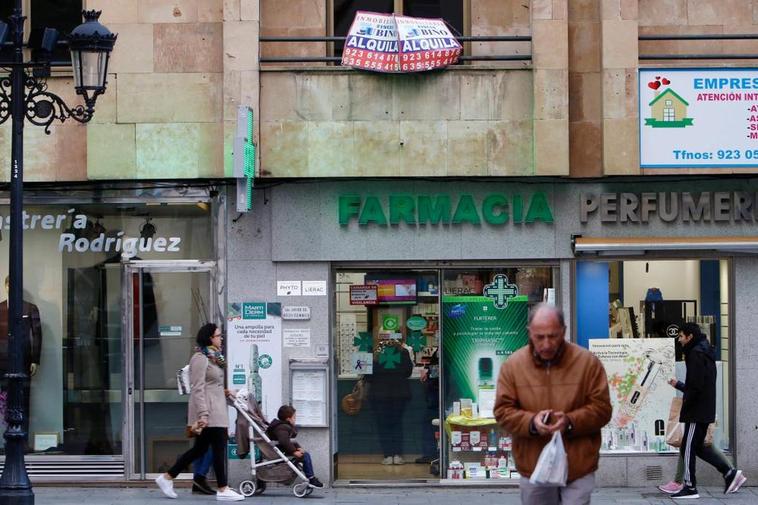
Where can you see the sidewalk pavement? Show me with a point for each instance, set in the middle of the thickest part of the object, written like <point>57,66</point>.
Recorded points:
<point>376,496</point>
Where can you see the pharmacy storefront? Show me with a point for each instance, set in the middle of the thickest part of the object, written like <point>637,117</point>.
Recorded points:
<point>116,284</point>
<point>415,292</point>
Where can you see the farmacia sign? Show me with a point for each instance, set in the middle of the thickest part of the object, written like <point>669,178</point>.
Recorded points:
<point>497,209</point>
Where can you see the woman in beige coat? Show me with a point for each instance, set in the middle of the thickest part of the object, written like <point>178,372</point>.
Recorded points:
<point>206,413</point>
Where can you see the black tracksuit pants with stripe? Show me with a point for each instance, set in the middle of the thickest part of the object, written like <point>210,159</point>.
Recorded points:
<point>692,446</point>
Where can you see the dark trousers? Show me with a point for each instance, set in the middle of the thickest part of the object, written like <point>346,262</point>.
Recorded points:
<point>692,447</point>
<point>428,440</point>
<point>388,414</point>
<point>307,465</point>
<point>202,464</point>
<point>210,437</point>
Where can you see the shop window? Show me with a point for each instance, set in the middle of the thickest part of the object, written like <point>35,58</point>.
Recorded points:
<point>73,277</point>
<point>635,337</point>
<point>388,336</point>
<point>63,15</point>
<point>344,12</point>
<point>440,421</point>
<point>484,319</point>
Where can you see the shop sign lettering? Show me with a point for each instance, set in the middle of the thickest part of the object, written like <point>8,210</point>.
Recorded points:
<point>496,209</point>
<point>669,207</point>
<point>76,237</point>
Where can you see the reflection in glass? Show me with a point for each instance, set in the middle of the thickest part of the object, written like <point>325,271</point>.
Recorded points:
<point>73,273</point>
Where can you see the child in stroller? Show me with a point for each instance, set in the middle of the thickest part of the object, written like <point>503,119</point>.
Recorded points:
<point>275,465</point>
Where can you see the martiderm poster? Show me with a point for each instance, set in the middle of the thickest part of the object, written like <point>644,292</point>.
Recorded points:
<point>254,348</point>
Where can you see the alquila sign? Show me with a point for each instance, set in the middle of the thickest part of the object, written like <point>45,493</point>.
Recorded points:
<point>496,209</point>
<point>669,207</point>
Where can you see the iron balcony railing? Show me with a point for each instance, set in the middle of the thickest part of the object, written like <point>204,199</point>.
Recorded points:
<point>338,59</point>
<point>701,37</point>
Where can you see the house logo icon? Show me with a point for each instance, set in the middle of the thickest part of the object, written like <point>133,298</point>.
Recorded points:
<point>668,109</point>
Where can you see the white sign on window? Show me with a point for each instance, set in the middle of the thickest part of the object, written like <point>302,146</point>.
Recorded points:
<point>288,288</point>
<point>296,313</point>
<point>699,118</point>
<point>297,337</point>
<point>314,288</point>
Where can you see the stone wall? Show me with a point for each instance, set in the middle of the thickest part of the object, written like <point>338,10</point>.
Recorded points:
<point>344,123</point>
<point>177,74</point>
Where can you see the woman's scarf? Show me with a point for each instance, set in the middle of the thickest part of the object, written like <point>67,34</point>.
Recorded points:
<point>213,354</point>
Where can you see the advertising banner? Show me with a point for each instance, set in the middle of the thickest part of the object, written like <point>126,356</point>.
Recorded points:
<point>698,118</point>
<point>390,43</point>
<point>638,371</point>
<point>477,339</point>
<point>254,348</point>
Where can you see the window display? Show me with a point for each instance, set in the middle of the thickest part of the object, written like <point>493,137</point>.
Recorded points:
<point>635,338</point>
<point>73,294</point>
<point>388,378</point>
<point>484,322</point>
<point>418,366</point>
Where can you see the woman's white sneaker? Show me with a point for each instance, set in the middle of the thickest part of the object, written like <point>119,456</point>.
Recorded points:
<point>228,495</point>
<point>166,485</point>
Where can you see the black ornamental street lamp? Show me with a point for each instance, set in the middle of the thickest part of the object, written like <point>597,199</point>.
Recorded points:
<point>24,94</point>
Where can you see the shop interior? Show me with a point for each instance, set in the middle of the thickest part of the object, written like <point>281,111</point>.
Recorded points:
<point>647,301</point>
<point>73,277</point>
<point>418,353</point>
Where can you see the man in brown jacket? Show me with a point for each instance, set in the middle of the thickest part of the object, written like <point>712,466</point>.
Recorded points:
<point>547,386</point>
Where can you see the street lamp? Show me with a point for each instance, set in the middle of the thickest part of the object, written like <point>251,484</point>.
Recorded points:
<point>24,95</point>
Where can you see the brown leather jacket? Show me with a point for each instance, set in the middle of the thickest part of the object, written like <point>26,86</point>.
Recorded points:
<point>575,383</point>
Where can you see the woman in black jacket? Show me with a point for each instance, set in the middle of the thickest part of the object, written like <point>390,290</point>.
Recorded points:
<point>699,410</point>
<point>388,395</point>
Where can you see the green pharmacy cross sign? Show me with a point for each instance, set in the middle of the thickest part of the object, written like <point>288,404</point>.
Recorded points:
<point>500,291</point>
<point>244,158</point>
<point>390,357</point>
<point>363,341</point>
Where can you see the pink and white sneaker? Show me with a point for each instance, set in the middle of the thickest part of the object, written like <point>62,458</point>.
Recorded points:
<point>672,487</point>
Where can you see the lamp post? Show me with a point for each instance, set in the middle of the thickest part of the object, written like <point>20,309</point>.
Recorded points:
<point>24,95</point>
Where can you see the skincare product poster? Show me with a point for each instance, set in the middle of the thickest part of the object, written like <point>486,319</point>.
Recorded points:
<point>253,353</point>
<point>477,338</point>
<point>638,371</point>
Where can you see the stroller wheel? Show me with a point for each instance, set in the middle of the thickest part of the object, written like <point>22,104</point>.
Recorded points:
<point>248,488</point>
<point>310,490</point>
<point>260,487</point>
<point>300,490</point>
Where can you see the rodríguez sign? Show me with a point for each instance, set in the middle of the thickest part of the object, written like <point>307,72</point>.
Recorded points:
<point>390,43</point>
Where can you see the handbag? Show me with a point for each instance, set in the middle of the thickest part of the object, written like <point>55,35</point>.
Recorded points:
<point>675,429</point>
<point>352,402</point>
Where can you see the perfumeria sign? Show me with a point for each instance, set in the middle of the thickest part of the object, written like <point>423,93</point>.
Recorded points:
<point>696,207</point>
<point>496,209</point>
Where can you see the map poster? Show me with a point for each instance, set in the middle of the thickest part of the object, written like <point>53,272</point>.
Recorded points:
<point>638,372</point>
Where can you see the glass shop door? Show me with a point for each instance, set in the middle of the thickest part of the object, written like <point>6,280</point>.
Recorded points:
<point>166,304</point>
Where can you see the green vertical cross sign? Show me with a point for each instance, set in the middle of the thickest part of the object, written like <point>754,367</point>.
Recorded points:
<point>244,158</point>
<point>500,291</point>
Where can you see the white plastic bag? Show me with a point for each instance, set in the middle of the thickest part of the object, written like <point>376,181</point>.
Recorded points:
<point>552,466</point>
<point>183,380</point>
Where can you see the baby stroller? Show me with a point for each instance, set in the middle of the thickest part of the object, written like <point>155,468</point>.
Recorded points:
<point>274,465</point>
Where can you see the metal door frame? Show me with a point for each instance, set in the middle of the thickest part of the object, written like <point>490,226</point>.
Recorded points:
<point>133,454</point>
